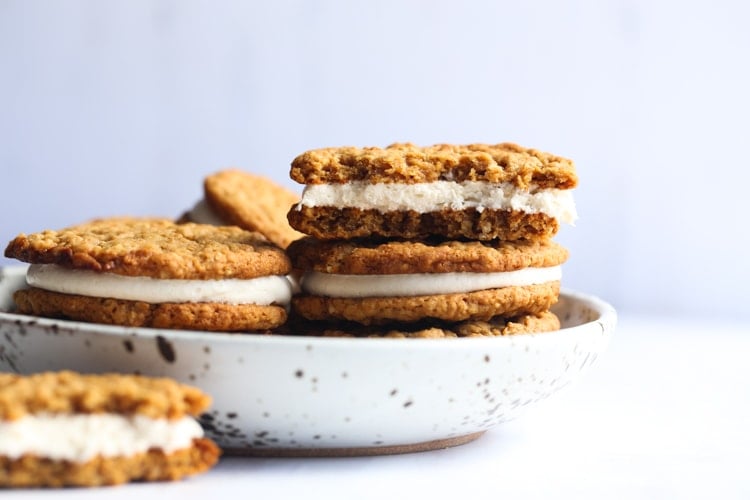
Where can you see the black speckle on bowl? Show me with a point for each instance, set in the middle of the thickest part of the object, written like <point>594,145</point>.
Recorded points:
<point>166,349</point>
<point>128,344</point>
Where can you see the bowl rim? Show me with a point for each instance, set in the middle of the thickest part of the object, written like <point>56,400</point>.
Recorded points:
<point>607,318</point>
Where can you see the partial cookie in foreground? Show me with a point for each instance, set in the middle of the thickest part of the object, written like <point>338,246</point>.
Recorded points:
<point>494,327</point>
<point>409,281</point>
<point>155,273</point>
<point>65,429</point>
<point>475,191</point>
<point>252,202</point>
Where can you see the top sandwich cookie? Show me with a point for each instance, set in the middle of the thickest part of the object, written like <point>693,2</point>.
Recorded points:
<point>252,202</point>
<point>475,191</point>
<point>153,272</point>
<point>68,429</point>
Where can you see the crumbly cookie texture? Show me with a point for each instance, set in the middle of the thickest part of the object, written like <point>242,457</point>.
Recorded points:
<point>408,163</point>
<point>428,256</point>
<point>70,392</point>
<point>156,248</point>
<point>30,471</point>
<point>343,223</point>
<point>187,316</point>
<point>253,203</point>
<point>497,326</point>
<point>480,305</point>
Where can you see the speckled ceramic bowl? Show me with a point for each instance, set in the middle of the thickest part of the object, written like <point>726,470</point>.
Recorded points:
<point>286,395</point>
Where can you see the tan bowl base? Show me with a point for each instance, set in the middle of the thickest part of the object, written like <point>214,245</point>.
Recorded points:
<point>353,452</point>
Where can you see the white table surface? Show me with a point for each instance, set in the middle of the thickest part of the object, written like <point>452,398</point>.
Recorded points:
<point>663,414</point>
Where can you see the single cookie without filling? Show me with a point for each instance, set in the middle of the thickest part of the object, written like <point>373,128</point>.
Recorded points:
<point>252,202</point>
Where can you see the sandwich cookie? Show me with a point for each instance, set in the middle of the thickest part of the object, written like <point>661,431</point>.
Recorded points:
<point>154,273</point>
<point>254,203</point>
<point>476,192</point>
<point>371,282</point>
<point>65,429</point>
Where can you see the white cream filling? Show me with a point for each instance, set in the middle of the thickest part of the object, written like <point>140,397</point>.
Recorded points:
<point>202,213</point>
<point>442,195</point>
<point>408,285</point>
<point>262,291</point>
<point>81,437</point>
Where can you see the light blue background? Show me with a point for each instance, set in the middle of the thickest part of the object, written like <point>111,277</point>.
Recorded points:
<point>114,108</point>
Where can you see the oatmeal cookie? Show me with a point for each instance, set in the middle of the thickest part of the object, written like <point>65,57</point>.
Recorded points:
<point>155,273</point>
<point>65,429</point>
<point>252,202</point>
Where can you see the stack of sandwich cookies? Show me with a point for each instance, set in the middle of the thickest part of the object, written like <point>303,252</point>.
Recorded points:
<point>252,202</point>
<point>431,242</point>
<point>155,273</point>
<point>66,429</point>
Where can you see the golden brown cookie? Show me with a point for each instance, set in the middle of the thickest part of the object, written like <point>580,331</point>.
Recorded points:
<point>475,191</point>
<point>70,392</point>
<point>205,316</point>
<point>428,256</point>
<point>156,248</point>
<point>453,307</point>
<point>408,163</point>
<point>497,326</point>
<point>56,407</point>
<point>332,223</point>
<point>252,202</point>
<point>153,272</point>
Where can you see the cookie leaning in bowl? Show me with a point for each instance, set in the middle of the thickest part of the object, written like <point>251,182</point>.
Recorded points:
<point>154,273</point>
<point>475,191</point>
<point>252,202</point>
<point>371,282</point>
<point>66,429</point>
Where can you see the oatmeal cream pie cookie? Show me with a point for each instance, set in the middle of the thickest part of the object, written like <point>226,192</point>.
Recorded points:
<point>475,191</point>
<point>155,273</point>
<point>372,282</point>
<point>66,429</point>
<point>252,202</point>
